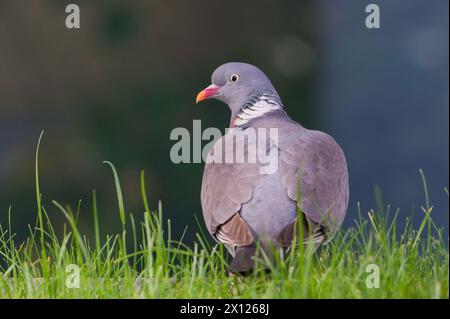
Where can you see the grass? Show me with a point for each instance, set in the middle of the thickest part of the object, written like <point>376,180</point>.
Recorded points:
<point>412,263</point>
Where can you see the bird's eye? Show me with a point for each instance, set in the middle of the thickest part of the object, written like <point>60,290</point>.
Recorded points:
<point>234,78</point>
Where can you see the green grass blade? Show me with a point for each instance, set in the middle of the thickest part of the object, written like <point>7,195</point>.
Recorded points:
<point>118,191</point>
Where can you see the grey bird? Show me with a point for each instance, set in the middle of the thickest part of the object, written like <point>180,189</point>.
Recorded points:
<point>245,208</point>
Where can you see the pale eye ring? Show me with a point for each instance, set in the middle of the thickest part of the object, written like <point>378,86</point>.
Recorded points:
<point>234,78</point>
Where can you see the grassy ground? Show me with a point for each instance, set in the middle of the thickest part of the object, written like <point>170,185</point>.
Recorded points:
<point>411,263</point>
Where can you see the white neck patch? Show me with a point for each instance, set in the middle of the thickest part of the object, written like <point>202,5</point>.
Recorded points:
<point>257,107</point>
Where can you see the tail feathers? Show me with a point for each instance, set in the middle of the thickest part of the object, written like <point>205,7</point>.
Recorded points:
<point>312,233</point>
<point>244,260</point>
<point>244,256</point>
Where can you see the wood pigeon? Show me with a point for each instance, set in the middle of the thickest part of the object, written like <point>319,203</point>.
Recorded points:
<point>243,206</point>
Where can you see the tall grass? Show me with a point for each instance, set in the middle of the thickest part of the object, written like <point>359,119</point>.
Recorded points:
<point>412,263</point>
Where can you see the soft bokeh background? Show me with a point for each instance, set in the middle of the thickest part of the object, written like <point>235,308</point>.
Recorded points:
<point>114,90</point>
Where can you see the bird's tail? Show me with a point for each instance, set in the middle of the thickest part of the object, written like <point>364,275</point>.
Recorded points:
<point>245,258</point>
<point>312,233</point>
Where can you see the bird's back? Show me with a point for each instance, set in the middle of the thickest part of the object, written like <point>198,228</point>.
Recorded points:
<point>270,209</point>
<point>310,165</point>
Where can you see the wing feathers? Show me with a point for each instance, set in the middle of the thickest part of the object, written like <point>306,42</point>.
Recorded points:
<point>312,232</point>
<point>234,232</point>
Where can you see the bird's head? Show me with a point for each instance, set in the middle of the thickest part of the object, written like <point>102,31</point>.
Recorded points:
<point>234,83</point>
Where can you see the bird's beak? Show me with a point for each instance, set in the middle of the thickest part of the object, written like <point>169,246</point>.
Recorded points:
<point>207,93</point>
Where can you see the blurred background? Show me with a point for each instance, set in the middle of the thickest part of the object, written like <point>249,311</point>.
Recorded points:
<point>115,88</point>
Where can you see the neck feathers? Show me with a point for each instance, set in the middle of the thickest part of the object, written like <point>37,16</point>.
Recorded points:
<point>255,107</point>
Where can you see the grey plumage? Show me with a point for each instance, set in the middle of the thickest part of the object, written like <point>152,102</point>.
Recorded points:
<point>241,205</point>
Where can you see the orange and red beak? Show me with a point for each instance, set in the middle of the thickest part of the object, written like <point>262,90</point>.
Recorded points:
<point>207,93</point>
